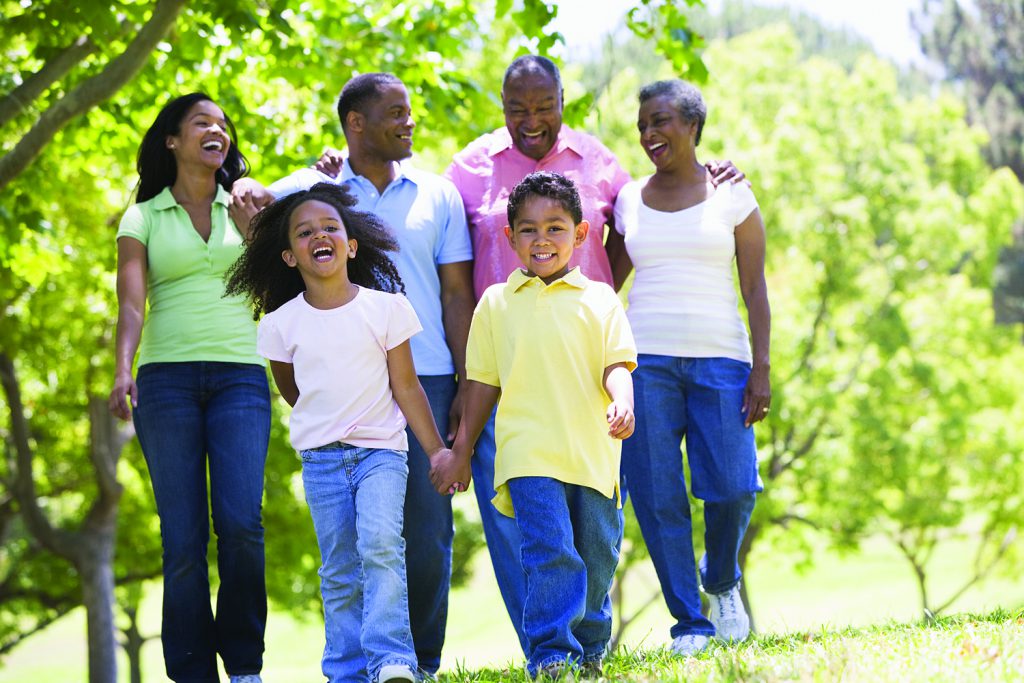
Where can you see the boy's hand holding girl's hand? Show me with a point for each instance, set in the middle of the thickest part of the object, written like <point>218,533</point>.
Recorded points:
<point>621,420</point>
<point>449,471</point>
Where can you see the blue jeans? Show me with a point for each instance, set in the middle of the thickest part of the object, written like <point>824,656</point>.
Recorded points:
<point>571,540</point>
<point>355,498</point>
<point>193,416</point>
<point>699,398</point>
<point>504,542</point>
<point>429,533</point>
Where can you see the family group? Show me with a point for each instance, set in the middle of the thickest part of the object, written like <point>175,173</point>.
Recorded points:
<point>430,332</point>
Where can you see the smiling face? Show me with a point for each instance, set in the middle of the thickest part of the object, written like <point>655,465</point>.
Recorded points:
<point>544,237</point>
<point>667,138</point>
<point>386,126</point>
<point>202,137</point>
<point>532,102</point>
<point>318,244</point>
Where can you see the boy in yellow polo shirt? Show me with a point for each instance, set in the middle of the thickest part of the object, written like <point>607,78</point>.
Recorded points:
<point>556,347</point>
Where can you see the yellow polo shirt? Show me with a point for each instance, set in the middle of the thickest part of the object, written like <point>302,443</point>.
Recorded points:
<point>189,317</point>
<point>546,347</point>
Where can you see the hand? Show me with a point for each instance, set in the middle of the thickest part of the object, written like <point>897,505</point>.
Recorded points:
<point>243,210</point>
<point>621,421</point>
<point>330,162</point>
<point>260,195</point>
<point>725,171</point>
<point>124,386</point>
<point>455,412</point>
<point>757,396</point>
<point>449,472</point>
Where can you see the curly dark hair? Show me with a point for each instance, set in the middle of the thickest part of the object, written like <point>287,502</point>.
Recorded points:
<point>554,186</point>
<point>268,282</point>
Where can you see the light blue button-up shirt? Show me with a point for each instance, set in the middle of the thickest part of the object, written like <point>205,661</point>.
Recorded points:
<point>427,216</point>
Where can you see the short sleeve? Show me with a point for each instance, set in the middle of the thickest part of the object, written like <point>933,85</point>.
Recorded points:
<point>402,322</point>
<point>300,180</point>
<point>619,346</point>
<point>481,364</point>
<point>454,245</point>
<point>743,202</point>
<point>269,342</point>
<point>134,224</point>
<point>626,208</point>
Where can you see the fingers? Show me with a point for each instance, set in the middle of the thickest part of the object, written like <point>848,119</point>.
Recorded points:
<point>621,421</point>
<point>755,408</point>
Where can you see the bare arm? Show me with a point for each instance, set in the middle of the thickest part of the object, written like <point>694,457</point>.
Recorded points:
<point>132,269</point>
<point>284,378</point>
<point>619,385</point>
<point>480,400</point>
<point>457,311</point>
<point>409,396</point>
<point>615,247</point>
<point>750,254</point>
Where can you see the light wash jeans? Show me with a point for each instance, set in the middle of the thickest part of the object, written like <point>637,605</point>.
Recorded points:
<point>699,398</point>
<point>355,496</point>
<point>571,540</point>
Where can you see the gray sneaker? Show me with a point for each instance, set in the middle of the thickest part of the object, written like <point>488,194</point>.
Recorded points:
<point>394,673</point>
<point>689,644</point>
<point>246,678</point>
<point>728,615</point>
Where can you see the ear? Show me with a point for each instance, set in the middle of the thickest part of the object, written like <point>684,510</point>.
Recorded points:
<point>289,258</point>
<point>581,232</point>
<point>169,142</point>
<point>355,121</point>
<point>353,247</point>
<point>511,235</point>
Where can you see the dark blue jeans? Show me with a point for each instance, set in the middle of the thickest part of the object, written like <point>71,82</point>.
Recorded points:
<point>193,417</point>
<point>699,398</point>
<point>429,533</point>
<point>571,540</point>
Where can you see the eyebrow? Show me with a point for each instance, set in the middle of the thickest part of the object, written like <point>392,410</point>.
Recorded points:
<point>209,116</point>
<point>311,220</point>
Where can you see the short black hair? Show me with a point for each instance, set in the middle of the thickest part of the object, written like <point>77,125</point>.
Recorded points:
<point>685,97</point>
<point>360,91</point>
<point>545,184</point>
<point>527,64</point>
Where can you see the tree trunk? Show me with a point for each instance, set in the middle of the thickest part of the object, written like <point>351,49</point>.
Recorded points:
<point>133,638</point>
<point>97,576</point>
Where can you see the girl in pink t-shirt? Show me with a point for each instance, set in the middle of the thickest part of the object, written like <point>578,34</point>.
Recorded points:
<point>336,332</point>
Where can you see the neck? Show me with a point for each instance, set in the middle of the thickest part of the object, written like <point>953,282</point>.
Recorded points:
<point>334,292</point>
<point>378,171</point>
<point>688,172</point>
<point>194,186</point>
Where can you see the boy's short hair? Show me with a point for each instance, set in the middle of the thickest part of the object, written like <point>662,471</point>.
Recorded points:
<point>546,184</point>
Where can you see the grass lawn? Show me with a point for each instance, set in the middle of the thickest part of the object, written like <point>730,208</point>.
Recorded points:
<point>870,590</point>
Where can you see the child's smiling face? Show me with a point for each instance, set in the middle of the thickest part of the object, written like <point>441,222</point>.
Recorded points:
<point>318,244</point>
<point>544,237</point>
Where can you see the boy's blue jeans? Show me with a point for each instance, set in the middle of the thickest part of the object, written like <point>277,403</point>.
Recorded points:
<point>571,540</point>
<point>355,496</point>
<point>699,398</point>
<point>193,417</point>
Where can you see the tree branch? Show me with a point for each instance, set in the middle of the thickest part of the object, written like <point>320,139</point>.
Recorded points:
<point>19,99</point>
<point>981,570</point>
<point>36,628</point>
<point>90,92</point>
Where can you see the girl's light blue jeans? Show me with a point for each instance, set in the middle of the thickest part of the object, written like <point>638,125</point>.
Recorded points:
<point>356,496</point>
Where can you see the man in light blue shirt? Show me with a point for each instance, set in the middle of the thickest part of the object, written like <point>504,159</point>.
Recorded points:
<point>427,216</point>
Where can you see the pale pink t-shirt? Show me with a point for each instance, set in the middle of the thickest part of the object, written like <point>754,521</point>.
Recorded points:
<point>487,170</point>
<point>341,369</point>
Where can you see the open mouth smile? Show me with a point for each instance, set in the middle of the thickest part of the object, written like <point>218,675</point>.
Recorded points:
<point>323,253</point>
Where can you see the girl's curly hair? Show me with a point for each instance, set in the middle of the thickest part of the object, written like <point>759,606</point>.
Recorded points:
<point>262,276</point>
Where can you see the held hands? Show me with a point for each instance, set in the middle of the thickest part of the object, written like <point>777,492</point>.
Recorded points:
<point>621,421</point>
<point>757,396</point>
<point>124,386</point>
<point>449,472</point>
<point>330,162</point>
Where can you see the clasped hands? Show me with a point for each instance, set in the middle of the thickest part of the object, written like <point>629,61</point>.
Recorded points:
<point>450,471</point>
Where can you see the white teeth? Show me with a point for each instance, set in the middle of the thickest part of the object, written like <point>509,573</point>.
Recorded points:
<point>215,145</point>
<point>322,253</point>
<point>656,146</point>
<point>533,135</point>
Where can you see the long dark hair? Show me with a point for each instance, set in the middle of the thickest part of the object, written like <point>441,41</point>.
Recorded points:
<point>262,276</point>
<point>155,163</point>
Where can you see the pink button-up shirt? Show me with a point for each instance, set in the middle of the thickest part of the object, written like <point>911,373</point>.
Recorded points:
<point>489,167</point>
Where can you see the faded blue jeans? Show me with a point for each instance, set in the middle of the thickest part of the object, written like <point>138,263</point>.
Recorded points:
<point>193,417</point>
<point>571,540</point>
<point>699,399</point>
<point>355,497</point>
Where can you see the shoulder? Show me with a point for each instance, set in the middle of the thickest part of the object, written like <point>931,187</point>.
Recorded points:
<point>432,183</point>
<point>481,149</point>
<point>587,144</point>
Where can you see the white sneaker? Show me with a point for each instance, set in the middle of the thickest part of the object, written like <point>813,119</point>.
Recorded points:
<point>689,644</point>
<point>728,616</point>
<point>392,673</point>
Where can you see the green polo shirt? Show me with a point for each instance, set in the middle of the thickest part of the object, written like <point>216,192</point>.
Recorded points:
<point>189,319</point>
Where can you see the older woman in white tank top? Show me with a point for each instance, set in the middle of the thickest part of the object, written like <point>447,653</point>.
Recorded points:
<point>698,377</point>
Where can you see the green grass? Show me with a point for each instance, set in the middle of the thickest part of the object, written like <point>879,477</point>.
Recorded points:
<point>871,590</point>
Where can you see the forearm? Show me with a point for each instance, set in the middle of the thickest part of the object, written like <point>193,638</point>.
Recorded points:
<point>412,401</point>
<point>618,259</point>
<point>619,383</point>
<point>457,303</point>
<point>129,331</point>
<point>480,400</point>
<point>759,317</point>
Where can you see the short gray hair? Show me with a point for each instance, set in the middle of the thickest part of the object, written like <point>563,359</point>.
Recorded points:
<point>684,97</point>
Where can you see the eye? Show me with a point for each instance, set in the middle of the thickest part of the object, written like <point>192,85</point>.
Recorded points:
<point>305,232</point>
<point>331,228</point>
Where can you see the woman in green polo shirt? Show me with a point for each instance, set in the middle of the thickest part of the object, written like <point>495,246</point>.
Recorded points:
<point>200,399</point>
